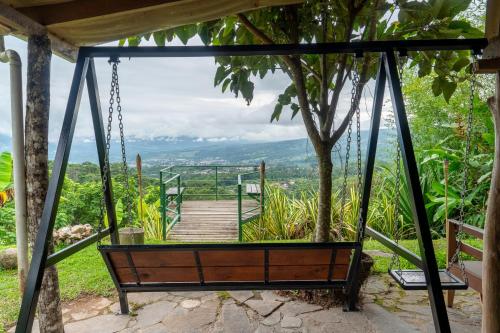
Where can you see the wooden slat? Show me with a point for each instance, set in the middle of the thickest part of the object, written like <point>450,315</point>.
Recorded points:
<point>232,258</point>
<point>307,256</point>
<point>475,252</point>
<point>173,191</point>
<point>299,256</point>
<point>163,258</point>
<point>233,274</point>
<point>125,275</point>
<point>469,229</point>
<point>168,274</point>
<point>488,66</point>
<point>306,273</point>
<point>253,189</point>
<point>118,259</point>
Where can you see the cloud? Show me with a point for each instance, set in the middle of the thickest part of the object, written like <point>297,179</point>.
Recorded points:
<point>169,97</point>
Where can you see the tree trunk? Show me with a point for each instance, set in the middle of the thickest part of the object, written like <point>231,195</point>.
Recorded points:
<point>491,242</point>
<point>37,171</point>
<point>325,166</point>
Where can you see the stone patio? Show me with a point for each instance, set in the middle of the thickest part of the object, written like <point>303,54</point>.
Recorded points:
<point>385,308</point>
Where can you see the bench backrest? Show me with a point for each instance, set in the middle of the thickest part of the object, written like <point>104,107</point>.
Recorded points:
<point>229,263</point>
<point>452,231</point>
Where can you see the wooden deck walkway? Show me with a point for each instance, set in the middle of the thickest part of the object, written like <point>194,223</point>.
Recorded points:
<point>209,220</point>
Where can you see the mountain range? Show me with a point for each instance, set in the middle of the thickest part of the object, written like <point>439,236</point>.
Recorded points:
<point>187,150</point>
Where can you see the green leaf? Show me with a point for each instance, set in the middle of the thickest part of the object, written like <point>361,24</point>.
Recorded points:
<point>277,112</point>
<point>220,75</point>
<point>5,171</point>
<point>284,99</point>
<point>134,41</point>
<point>448,89</point>
<point>159,38</point>
<point>436,86</point>
<point>226,84</point>
<point>204,33</point>
<point>186,32</point>
<point>460,63</point>
<point>295,109</point>
<point>246,88</point>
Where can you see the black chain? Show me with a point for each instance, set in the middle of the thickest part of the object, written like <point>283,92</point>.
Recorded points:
<point>355,97</point>
<point>456,258</point>
<point>348,145</point>
<point>126,185</point>
<point>395,260</point>
<point>105,168</point>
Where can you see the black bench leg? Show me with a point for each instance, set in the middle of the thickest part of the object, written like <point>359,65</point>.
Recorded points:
<point>352,291</point>
<point>122,296</point>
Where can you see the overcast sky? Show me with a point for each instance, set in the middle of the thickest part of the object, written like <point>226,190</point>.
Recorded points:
<point>170,97</point>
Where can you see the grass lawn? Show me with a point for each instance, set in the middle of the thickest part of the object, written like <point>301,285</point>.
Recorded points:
<point>86,273</point>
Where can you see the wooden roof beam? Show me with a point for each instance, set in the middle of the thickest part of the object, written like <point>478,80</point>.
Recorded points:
<point>84,9</point>
<point>22,26</point>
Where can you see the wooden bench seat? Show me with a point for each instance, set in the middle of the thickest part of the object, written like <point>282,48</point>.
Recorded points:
<point>253,189</point>
<point>229,266</point>
<point>172,191</point>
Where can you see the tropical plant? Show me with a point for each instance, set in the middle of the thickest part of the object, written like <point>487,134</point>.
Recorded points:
<point>152,223</point>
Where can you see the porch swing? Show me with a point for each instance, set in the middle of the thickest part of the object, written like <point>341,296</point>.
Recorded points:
<point>237,266</point>
<point>414,279</point>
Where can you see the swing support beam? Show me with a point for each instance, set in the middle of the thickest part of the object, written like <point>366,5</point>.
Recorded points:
<point>85,71</point>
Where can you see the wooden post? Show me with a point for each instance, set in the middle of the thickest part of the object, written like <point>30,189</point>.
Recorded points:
<point>262,185</point>
<point>138,162</point>
<point>491,250</point>
<point>37,171</point>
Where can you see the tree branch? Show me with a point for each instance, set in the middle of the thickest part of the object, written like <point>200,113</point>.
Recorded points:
<point>265,39</point>
<point>295,65</point>
<point>372,26</point>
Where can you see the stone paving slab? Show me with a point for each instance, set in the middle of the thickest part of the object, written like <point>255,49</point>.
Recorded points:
<point>385,308</point>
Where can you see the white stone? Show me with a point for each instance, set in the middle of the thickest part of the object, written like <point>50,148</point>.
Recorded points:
<point>190,303</point>
<point>8,258</point>
<point>291,322</point>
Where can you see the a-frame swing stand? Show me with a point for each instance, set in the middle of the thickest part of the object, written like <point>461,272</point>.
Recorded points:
<point>387,73</point>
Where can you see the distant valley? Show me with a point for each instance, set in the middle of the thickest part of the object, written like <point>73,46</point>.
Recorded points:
<point>186,150</point>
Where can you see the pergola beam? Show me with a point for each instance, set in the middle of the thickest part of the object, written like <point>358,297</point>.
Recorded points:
<point>20,25</point>
<point>85,9</point>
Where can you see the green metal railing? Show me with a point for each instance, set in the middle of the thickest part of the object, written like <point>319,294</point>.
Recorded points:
<point>252,213</point>
<point>170,204</point>
<point>208,182</point>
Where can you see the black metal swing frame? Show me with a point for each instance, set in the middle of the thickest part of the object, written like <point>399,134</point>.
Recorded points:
<point>387,73</point>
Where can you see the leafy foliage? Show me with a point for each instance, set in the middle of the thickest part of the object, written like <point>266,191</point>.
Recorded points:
<point>6,186</point>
